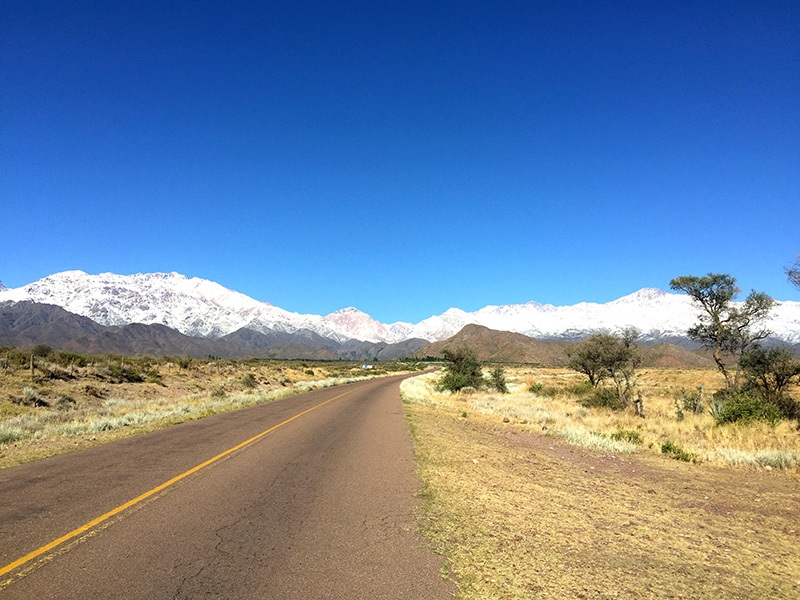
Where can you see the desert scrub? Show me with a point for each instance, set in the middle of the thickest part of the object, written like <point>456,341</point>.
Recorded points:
<point>532,407</point>
<point>525,516</point>
<point>115,414</point>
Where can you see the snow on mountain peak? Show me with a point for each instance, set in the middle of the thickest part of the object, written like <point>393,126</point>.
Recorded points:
<point>359,325</point>
<point>204,308</point>
<point>645,295</point>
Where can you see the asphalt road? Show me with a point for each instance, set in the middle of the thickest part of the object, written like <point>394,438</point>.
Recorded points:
<point>319,507</point>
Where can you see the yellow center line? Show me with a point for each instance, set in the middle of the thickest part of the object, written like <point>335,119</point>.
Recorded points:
<point>94,522</point>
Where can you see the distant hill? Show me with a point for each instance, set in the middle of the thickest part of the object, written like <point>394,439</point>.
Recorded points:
<point>506,346</point>
<point>500,346</point>
<point>665,354</point>
<point>25,324</point>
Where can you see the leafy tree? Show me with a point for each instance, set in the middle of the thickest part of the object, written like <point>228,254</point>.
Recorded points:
<point>42,350</point>
<point>462,370</point>
<point>623,360</point>
<point>588,357</point>
<point>793,272</point>
<point>769,373</point>
<point>726,328</point>
<point>498,380</point>
<point>608,356</point>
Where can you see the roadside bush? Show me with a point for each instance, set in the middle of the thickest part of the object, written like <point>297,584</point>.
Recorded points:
<point>462,370</point>
<point>9,435</point>
<point>497,379</point>
<point>249,381</point>
<point>739,406</point>
<point>676,452</point>
<point>602,398</point>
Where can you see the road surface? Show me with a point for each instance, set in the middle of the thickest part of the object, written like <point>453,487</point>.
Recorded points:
<point>307,497</point>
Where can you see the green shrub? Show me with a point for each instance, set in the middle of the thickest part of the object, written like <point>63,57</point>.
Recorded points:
<point>497,379</point>
<point>739,406</point>
<point>676,452</point>
<point>602,398</point>
<point>249,381</point>
<point>462,370</point>
<point>42,350</point>
<point>65,359</point>
<point>689,401</point>
<point>583,388</point>
<point>628,435</point>
<point>540,389</point>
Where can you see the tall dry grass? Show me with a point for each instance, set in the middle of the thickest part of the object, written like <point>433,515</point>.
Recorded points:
<point>556,410</point>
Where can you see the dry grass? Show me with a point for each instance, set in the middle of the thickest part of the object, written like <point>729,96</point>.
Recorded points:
<point>49,415</point>
<point>522,513</point>
<point>557,410</point>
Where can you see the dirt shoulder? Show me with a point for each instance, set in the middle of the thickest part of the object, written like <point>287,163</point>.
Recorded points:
<point>522,515</point>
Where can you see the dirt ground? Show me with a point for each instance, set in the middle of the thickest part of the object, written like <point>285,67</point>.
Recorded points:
<point>525,515</point>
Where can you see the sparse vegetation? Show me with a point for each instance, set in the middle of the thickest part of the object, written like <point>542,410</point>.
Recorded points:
<point>536,496</point>
<point>91,399</point>
<point>673,450</point>
<point>607,356</point>
<point>462,370</point>
<point>559,403</point>
<point>497,379</point>
<point>769,373</point>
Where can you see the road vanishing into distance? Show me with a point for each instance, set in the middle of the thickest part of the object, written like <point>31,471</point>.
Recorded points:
<point>307,497</point>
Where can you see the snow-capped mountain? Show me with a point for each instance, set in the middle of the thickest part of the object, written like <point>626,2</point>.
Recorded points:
<point>193,306</point>
<point>202,308</point>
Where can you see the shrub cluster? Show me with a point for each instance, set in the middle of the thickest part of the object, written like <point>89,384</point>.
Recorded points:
<point>602,398</point>
<point>461,371</point>
<point>740,406</point>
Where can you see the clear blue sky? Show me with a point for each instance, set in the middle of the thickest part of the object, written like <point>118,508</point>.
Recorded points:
<point>402,158</point>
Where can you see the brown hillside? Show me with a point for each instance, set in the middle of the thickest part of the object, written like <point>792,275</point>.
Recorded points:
<point>500,346</point>
<point>508,347</point>
<point>670,355</point>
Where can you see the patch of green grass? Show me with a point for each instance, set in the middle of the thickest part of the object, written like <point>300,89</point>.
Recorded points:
<point>674,451</point>
<point>628,435</point>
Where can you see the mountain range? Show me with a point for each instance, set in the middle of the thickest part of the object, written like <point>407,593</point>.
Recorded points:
<point>204,311</point>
